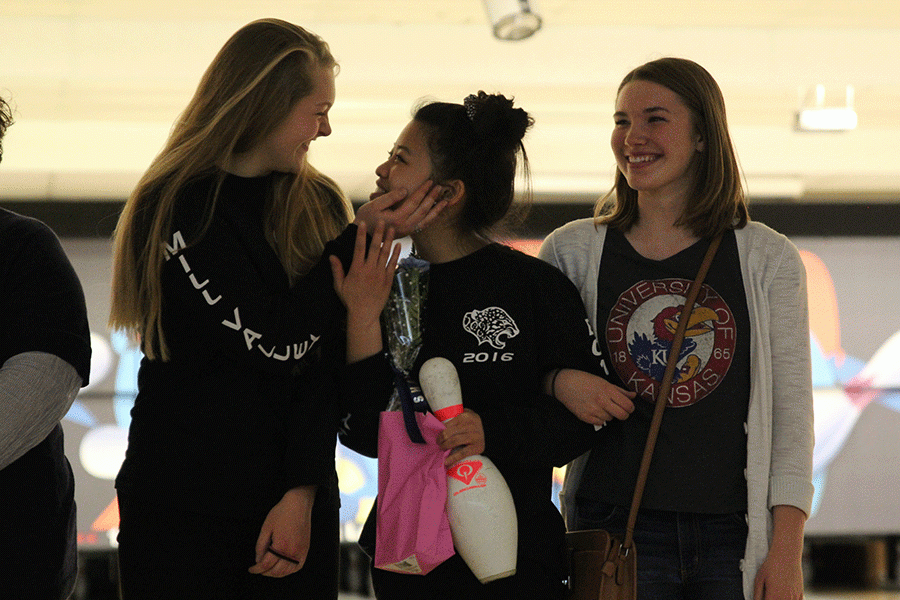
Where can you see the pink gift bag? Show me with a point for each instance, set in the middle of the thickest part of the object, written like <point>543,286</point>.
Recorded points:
<point>413,532</point>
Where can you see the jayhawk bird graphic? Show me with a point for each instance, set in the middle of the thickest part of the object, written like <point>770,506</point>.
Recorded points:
<point>650,355</point>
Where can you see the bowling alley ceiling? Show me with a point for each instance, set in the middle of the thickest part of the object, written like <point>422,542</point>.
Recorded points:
<point>97,83</point>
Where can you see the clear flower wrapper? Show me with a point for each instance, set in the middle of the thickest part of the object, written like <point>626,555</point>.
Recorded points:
<point>402,321</point>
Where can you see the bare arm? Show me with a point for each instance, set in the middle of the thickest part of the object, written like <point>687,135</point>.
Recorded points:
<point>589,397</point>
<point>780,577</point>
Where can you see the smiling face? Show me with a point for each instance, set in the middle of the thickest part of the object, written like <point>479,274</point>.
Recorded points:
<point>409,162</point>
<point>654,139</point>
<point>286,146</point>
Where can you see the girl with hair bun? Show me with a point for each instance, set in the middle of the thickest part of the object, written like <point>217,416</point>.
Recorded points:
<point>471,152</point>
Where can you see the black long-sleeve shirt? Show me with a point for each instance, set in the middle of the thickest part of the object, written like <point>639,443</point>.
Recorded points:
<point>244,409</point>
<point>505,320</point>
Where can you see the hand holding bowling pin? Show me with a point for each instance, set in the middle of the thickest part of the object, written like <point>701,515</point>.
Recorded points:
<point>464,436</point>
<point>479,504</point>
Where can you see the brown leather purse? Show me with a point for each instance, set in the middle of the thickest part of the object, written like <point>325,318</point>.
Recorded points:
<point>603,566</point>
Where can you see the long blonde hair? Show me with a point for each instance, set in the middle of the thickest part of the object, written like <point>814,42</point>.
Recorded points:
<point>717,200</point>
<point>260,73</point>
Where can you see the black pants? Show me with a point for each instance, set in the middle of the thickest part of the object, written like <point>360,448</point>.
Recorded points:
<point>453,580</point>
<point>177,554</point>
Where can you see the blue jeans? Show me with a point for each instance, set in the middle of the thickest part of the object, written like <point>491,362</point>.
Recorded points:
<point>680,556</point>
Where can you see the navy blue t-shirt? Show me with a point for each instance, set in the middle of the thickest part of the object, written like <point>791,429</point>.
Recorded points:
<point>700,454</point>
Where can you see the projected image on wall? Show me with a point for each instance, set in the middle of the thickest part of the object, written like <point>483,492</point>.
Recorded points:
<point>844,385</point>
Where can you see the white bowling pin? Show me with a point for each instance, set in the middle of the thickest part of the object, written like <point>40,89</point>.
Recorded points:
<point>480,507</point>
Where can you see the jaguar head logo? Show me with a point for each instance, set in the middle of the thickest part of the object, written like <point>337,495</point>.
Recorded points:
<point>490,326</point>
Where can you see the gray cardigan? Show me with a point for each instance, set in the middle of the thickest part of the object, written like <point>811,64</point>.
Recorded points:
<point>780,416</point>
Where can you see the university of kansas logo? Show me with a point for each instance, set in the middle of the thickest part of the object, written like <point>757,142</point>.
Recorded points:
<point>640,331</point>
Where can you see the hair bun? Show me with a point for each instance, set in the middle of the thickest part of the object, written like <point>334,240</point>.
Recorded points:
<point>496,119</point>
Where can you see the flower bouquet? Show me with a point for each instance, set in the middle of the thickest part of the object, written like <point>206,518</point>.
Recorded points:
<point>402,321</point>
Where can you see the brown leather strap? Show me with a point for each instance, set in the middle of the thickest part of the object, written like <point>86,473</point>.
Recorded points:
<point>665,386</point>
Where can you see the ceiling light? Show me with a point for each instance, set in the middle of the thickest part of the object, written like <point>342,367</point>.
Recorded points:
<point>512,19</point>
<point>827,118</point>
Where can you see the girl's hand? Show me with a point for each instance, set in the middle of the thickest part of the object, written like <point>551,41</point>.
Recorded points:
<point>406,214</point>
<point>780,577</point>
<point>590,398</point>
<point>364,289</point>
<point>284,539</point>
<point>464,436</point>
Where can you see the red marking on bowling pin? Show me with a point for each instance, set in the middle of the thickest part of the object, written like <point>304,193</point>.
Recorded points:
<point>465,470</point>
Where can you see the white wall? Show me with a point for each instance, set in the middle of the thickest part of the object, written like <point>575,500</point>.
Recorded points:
<point>96,98</point>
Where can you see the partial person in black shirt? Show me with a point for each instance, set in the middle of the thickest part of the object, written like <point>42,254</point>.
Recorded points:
<point>45,353</point>
<point>476,285</point>
<point>228,489</point>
